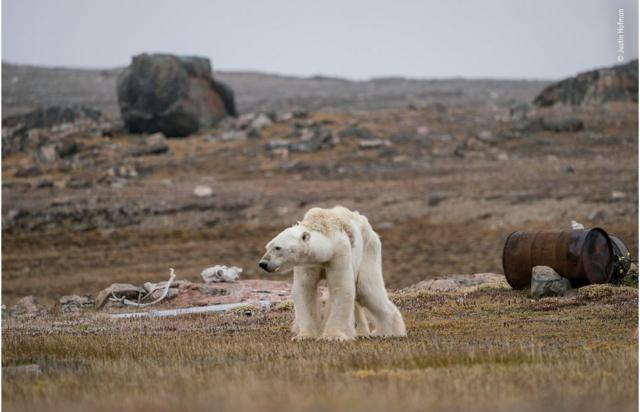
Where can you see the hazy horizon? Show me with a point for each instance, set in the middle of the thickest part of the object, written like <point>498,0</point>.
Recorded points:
<point>357,41</point>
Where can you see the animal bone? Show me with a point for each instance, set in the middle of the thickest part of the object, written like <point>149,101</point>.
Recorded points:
<point>128,302</point>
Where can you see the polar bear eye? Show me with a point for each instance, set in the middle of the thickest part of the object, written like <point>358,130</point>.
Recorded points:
<point>278,248</point>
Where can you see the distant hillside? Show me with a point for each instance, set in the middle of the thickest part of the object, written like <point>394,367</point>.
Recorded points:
<point>27,87</point>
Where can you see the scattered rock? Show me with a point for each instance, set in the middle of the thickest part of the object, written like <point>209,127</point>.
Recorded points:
<point>153,145</point>
<point>355,131</point>
<point>202,191</point>
<point>75,303</point>
<point>233,135</point>
<point>173,95</point>
<point>46,153</point>
<point>260,122</point>
<point>28,306</point>
<point>126,290</point>
<point>487,137</point>
<point>374,144</point>
<point>276,144</point>
<point>547,282</point>
<point>221,273</point>
<point>321,138</point>
<point>569,124</point>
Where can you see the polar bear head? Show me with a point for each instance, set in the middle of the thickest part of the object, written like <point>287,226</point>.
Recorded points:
<point>292,247</point>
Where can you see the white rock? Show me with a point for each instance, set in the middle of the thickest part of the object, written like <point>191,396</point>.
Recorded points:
<point>203,191</point>
<point>221,273</point>
<point>261,121</point>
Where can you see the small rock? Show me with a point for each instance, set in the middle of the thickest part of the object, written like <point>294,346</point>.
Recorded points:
<point>233,135</point>
<point>567,169</point>
<point>46,153</point>
<point>576,225</point>
<point>618,195</point>
<point>278,144</point>
<point>502,156</point>
<point>203,191</point>
<point>374,144</point>
<point>126,290</point>
<point>547,282</point>
<point>260,122</point>
<point>28,306</point>
<point>385,225</point>
<point>597,214</point>
<point>75,303</point>
<point>153,145</point>
<point>486,136</point>
<point>422,130</point>
<point>570,124</point>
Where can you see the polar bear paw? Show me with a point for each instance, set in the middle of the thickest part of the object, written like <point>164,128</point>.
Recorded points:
<point>336,336</point>
<point>303,336</point>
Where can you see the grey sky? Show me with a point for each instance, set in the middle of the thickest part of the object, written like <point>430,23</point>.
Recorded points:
<point>356,39</point>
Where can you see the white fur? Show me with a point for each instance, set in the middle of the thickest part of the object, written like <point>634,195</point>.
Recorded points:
<point>341,246</point>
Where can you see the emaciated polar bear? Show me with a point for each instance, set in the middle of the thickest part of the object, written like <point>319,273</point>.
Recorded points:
<point>341,246</point>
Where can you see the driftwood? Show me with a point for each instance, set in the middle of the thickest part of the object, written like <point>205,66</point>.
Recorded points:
<point>137,304</point>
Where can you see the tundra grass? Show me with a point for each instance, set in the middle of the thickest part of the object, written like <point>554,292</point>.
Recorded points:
<point>488,350</point>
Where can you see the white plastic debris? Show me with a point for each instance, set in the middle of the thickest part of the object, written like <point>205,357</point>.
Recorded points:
<point>576,226</point>
<point>265,304</point>
<point>221,273</point>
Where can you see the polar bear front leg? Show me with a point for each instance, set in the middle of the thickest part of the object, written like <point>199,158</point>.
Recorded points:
<point>307,323</point>
<point>340,324</point>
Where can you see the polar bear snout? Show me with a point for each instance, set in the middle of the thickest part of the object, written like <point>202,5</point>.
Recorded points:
<point>266,267</point>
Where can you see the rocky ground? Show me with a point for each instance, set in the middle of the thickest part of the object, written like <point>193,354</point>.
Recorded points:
<point>88,205</point>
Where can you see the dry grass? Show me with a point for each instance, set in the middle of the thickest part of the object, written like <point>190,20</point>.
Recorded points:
<point>491,350</point>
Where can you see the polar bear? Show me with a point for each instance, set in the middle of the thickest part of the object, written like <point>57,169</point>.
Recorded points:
<point>341,246</point>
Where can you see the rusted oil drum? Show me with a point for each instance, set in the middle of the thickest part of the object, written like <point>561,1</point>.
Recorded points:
<point>582,256</point>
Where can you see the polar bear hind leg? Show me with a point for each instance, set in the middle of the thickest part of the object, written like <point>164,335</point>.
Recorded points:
<point>373,295</point>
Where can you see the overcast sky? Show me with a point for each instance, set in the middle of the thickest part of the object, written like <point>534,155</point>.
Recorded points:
<point>357,39</point>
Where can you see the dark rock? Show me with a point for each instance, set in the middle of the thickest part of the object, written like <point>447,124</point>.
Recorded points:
<point>75,303</point>
<point>618,83</point>
<point>357,132</point>
<point>67,148</point>
<point>321,138</point>
<point>173,95</point>
<point>228,97</point>
<point>569,124</point>
<point>30,171</point>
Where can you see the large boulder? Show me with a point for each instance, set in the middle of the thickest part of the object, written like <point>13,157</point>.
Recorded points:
<point>618,83</point>
<point>170,94</point>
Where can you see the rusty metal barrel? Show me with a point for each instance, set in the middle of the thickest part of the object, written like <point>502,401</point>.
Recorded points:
<point>582,256</point>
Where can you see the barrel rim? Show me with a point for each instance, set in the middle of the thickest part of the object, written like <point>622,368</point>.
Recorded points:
<point>611,256</point>
<point>504,252</point>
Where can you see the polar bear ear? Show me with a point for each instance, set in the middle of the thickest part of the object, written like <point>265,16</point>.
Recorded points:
<point>306,236</point>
